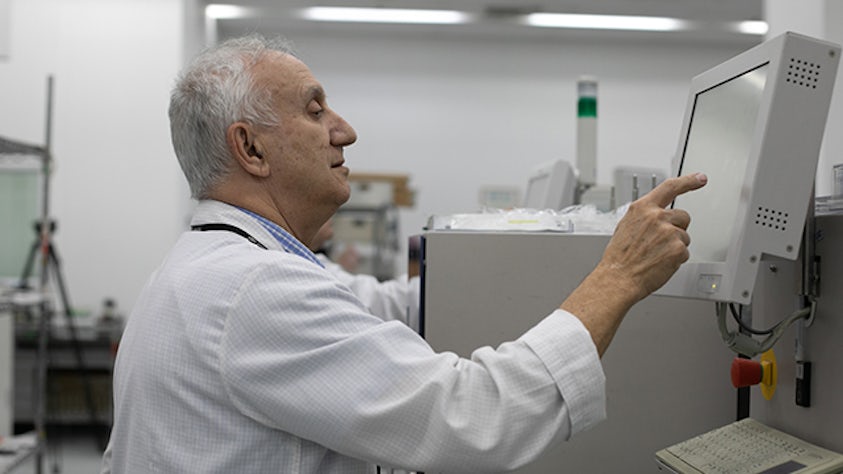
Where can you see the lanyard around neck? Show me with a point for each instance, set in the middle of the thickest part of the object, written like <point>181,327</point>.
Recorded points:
<point>229,228</point>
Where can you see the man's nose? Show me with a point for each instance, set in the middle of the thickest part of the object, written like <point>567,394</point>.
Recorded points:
<point>342,133</point>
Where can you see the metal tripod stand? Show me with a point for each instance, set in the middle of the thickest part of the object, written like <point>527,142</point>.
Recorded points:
<point>43,246</point>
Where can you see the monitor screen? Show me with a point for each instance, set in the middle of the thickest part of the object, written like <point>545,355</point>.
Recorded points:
<point>719,143</point>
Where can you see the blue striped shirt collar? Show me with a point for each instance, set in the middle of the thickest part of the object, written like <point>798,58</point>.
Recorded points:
<point>290,243</point>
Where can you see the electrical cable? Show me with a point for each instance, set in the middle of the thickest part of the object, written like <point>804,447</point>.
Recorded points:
<point>744,326</point>
<point>745,345</point>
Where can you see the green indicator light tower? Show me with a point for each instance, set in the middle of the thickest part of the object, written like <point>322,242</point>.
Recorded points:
<point>586,133</point>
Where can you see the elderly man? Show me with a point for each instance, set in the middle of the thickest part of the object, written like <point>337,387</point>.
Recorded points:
<point>244,355</point>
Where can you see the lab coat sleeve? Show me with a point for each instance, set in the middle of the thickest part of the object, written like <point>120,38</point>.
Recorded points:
<point>305,357</point>
<point>396,299</point>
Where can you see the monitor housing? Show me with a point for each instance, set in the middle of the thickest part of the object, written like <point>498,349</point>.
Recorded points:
<point>551,185</point>
<point>754,124</point>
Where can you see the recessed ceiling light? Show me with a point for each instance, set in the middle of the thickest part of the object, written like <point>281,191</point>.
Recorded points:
<point>604,22</point>
<point>753,27</point>
<point>226,12</point>
<point>385,15</point>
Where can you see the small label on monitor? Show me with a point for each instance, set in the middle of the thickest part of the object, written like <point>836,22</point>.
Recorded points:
<point>709,284</point>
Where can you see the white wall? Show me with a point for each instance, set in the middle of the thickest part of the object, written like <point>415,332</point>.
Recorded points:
<point>454,113</point>
<point>5,22</point>
<point>457,114</point>
<point>821,19</point>
<point>117,192</point>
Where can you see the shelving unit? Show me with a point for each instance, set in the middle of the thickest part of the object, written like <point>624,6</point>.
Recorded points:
<point>11,148</point>
<point>41,313</point>
<point>369,221</point>
<point>373,231</point>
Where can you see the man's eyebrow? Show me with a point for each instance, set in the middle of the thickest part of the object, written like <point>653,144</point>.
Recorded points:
<point>315,92</point>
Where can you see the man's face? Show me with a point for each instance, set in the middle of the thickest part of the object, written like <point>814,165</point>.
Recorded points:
<point>305,150</point>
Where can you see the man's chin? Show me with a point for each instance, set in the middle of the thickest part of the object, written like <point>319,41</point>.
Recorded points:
<point>344,196</point>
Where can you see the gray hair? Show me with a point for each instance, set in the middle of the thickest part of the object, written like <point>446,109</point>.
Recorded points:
<point>215,90</point>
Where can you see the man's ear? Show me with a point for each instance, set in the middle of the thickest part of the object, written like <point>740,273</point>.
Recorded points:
<point>245,147</point>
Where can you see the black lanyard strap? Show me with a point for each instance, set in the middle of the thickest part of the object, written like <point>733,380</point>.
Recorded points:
<point>229,228</point>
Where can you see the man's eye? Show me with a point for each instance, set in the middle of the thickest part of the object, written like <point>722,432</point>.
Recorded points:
<point>316,110</point>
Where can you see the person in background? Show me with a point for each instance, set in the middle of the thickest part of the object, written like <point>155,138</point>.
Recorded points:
<point>394,299</point>
<point>244,354</point>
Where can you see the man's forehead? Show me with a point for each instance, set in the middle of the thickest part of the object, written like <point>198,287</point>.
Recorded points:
<point>285,72</point>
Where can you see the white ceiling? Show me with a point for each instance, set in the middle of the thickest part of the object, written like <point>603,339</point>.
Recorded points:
<point>691,9</point>
<point>278,17</point>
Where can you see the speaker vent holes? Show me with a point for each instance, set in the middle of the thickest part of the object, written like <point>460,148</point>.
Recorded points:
<point>771,219</point>
<point>803,73</point>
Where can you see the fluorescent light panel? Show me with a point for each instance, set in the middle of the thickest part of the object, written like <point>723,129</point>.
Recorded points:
<point>385,15</point>
<point>226,12</point>
<point>604,22</point>
<point>753,27</point>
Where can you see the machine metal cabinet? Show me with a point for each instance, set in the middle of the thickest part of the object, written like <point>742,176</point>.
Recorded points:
<point>821,422</point>
<point>667,369</point>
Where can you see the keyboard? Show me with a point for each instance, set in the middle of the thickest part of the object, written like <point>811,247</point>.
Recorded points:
<point>748,447</point>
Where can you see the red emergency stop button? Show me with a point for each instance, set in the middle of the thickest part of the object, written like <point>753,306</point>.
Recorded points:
<point>747,372</point>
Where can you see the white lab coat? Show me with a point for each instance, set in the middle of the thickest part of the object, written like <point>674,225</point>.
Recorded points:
<point>241,359</point>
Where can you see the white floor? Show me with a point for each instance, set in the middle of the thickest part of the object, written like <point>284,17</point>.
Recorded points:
<point>67,453</point>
